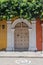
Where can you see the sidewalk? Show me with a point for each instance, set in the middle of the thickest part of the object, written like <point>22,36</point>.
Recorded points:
<point>21,58</point>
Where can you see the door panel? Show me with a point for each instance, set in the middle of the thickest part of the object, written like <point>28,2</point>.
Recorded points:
<point>21,38</point>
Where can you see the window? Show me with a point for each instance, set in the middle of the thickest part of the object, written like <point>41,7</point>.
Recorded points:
<point>3,26</point>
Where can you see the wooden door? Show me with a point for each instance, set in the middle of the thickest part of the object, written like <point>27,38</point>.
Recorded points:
<point>21,38</point>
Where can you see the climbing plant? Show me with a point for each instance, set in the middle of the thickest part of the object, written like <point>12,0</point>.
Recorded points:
<point>27,9</point>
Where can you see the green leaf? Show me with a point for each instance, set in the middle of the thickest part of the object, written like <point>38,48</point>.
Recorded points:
<point>23,8</point>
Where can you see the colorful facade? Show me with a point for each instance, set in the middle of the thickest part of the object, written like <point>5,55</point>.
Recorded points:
<point>21,35</point>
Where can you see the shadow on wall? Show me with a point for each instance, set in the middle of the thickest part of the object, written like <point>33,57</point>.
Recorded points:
<point>3,49</point>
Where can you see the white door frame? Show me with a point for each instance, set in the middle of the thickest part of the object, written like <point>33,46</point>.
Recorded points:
<point>31,29</point>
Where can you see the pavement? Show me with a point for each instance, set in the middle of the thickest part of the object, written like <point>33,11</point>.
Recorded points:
<point>21,58</point>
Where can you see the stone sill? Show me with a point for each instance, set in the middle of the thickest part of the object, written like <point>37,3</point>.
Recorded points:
<point>21,54</point>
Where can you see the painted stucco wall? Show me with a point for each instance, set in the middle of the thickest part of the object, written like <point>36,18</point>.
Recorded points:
<point>38,35</point>
<point>3,34</point>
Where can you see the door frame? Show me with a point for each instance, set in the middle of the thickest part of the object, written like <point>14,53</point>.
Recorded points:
<point>31,29</point>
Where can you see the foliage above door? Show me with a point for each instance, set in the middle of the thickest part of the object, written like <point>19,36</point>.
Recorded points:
<point>27,9</point>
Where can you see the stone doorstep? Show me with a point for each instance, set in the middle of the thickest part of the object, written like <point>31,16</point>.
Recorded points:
<point>21,54</point>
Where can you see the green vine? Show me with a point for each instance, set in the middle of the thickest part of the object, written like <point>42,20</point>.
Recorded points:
<point>27,9</point>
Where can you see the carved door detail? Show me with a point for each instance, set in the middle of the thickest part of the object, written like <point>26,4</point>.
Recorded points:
<point>21,38</point>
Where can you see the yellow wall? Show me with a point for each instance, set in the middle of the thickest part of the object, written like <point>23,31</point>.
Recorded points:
<point>13,19</point>
<point>3,35</point>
